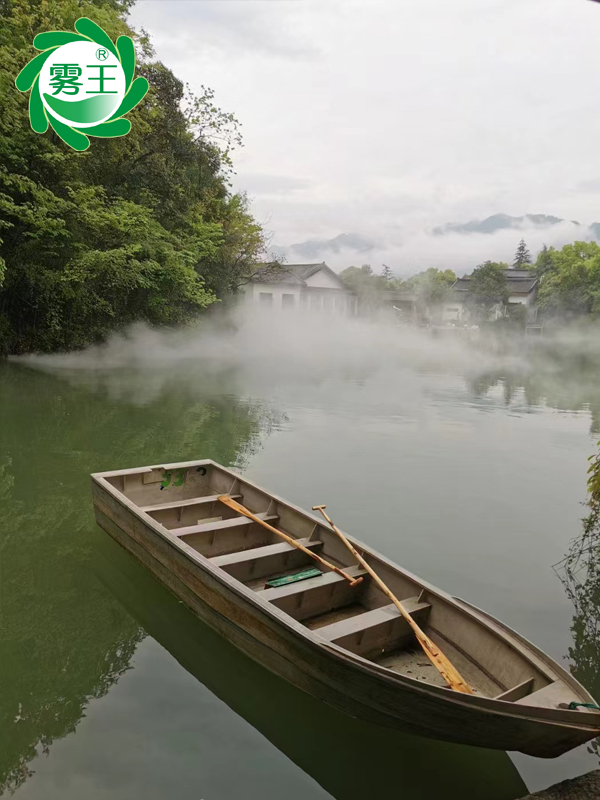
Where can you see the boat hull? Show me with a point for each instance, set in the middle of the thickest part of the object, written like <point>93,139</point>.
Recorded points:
<point>324,672</point>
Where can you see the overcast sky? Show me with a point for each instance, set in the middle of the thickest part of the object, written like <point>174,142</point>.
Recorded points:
<point>386,118</point>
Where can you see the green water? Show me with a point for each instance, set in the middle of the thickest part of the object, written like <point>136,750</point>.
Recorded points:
<point>467,475</point>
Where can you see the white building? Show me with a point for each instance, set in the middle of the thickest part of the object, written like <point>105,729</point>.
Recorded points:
<point>306,287</point>
<point>522,287</point>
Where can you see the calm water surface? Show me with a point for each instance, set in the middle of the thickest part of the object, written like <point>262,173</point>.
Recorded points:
<point>467,471</point>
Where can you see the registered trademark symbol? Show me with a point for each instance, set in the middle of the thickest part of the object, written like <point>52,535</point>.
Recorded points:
<point>101,54</point>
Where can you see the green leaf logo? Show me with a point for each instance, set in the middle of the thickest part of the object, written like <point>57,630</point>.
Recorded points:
<point>81,84</point>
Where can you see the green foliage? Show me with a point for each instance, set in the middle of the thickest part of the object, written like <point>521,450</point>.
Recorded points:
<point>369,288</point>
<point>431,286</point>
<point>522,256</point>
<point>517,314</point>
<point>570,280</point>
<point>544,260</point>
<point>237,259</point>
<point>580,574</point>
<point>487,287</point>
<point>138,228</point>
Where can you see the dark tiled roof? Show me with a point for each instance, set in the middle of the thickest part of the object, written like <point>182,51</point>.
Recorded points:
<point>291,273</point>
<point>276,274</point>
<point>304,271</point>
<point>520,281</point>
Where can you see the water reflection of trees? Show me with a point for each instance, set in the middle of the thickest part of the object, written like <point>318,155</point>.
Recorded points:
<point>551,376</point>
<point>65,638</point>
<point>580,575</point>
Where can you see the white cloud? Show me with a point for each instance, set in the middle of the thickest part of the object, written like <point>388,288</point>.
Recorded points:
<point>385,119</point>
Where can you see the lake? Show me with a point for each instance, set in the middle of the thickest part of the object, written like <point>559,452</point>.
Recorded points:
<point>465,464</point>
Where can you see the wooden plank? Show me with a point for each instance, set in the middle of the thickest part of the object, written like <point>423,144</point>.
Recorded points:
<point>550,696</point>
<point>264,561</point>
<point>370,619</point>
<point>193,501</point>
<point>326,579</point>
<point>316,596</point>
<point>517,692</point>
<point>118,473</point>
<point>259,552</point>
<point>223,524</point>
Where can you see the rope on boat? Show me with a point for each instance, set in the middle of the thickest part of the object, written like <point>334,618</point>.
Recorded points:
<point>574,705</point>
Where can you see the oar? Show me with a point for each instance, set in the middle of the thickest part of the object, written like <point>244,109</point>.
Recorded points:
<point>448,672</point>
<point>228,501</point>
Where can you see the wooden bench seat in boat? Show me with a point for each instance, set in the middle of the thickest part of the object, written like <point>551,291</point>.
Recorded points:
<point>374,631</point>
<point>550,696</point>
<point>315,596</point>
<point>265,561</point>
<point>193,501</point>
<point>222,524</point>
<point>191,511</point>
<point>225,536</point>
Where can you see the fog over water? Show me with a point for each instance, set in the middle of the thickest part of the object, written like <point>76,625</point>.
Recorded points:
<point>264,353</point>
<point>459,455</point>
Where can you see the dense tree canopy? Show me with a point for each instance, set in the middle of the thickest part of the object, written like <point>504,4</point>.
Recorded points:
<point>487,287</point>
<point>431,286</point>
<point>143,227</point>
<point>367,286</point>
<point>570,280</point>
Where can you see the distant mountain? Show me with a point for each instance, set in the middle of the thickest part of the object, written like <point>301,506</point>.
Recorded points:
<point>315,248</point>
<point>498,222</point>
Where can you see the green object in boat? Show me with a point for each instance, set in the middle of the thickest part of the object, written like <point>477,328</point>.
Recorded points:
<point>298,576</point>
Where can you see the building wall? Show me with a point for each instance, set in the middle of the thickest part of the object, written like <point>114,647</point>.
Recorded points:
<point>294,297</point>
<point>454,311</point>
<point>522,299</point>
<point>258,294</point>
<point>329,301</point>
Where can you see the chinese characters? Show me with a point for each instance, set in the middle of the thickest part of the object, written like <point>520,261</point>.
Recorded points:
<point>65,78</point>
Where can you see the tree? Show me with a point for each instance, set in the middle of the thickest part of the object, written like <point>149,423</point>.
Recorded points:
<point>544,261</point>
<point>387,273</point>
<point>369,288</point>
<point>522,256</point>
<point>580,574</point>
<point>487,287</point>
<point>570,282</point>
<point>142,227</point>
<point>431,286</point>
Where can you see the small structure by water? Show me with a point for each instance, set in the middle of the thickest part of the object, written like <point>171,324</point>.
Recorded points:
<point>522,287</point>
<point>305,287</point>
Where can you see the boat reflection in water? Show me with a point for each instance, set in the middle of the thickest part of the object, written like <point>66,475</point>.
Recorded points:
<point>348,758</point>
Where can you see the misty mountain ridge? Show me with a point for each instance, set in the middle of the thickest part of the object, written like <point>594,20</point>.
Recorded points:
<point>499,222</point>
<point>354,247</point>
<point>314,248</point>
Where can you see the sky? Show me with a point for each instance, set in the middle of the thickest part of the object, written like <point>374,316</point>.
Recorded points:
<point>387,118</point>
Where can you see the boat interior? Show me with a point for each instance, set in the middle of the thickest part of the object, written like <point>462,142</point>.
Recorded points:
<point>360,618</point>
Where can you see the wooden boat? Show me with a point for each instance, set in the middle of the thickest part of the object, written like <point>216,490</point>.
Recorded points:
<point>344,644</point>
